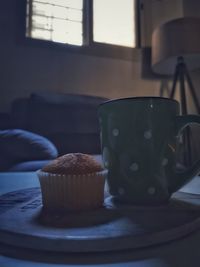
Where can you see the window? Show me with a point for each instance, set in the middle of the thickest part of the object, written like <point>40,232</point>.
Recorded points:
<point>55,20</point>
<point>83,23</point>
<point>113,22</point>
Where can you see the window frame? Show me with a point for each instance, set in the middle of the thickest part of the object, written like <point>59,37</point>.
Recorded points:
<point>89,46</point>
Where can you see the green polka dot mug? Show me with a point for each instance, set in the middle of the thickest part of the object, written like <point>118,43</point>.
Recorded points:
<point>139,148</point>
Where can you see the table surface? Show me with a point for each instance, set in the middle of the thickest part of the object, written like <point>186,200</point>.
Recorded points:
<point>183,252</point>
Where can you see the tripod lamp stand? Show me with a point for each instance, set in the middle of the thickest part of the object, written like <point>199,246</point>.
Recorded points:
<point>176,52</point>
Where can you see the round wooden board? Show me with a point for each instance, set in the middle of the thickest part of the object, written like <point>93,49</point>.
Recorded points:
<point>113,227</point>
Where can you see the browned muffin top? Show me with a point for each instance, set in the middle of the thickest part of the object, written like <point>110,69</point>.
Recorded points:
<point>73,163</point>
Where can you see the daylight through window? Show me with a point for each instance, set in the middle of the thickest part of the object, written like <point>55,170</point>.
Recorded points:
<point>55,20</point>
<point>66,21</point>
<point>114,22</point>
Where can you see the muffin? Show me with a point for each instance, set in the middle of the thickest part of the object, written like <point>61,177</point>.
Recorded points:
<point>72,182</point>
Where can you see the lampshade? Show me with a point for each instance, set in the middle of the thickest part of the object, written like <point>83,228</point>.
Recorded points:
<point>146,70</point>
<point>176,38</point>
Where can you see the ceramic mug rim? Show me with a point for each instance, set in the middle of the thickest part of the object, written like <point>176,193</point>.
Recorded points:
<point>139,98</point>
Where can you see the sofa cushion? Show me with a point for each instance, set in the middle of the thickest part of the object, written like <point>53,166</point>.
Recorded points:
<point>70,121</point>
<point>83,143</point>
<point>51,113</point>
<point>63,98</point>
<point>18,145</point>
<point>47,118</point>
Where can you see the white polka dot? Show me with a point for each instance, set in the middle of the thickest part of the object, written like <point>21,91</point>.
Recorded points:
<point>121,191</point>
<point>106,164</point>
<point>105,157</point>
<point>180,140</point>
<point>151,190</point>
<point>148,134</point>
<point>164,162</point>
<point>151,106</point>
<point>115,132</point>
<point>134,167</point>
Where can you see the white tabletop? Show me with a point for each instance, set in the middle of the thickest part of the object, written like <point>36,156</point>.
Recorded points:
<point>183,252</point>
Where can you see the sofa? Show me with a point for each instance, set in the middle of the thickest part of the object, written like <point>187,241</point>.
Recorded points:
<point>24,151</point>
<point>68,121</point>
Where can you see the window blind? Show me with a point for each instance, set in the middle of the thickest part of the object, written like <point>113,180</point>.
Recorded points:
<point>55,20</point>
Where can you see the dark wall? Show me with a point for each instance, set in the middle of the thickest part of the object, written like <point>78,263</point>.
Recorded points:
<point>26,68</point>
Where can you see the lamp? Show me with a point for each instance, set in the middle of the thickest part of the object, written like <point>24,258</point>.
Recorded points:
<point>148,74</point>
<point>176,51</point>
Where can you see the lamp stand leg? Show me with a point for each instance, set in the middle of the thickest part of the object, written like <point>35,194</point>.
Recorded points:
<point>174,82</point>
<point>181,73</point>
<point>186,136</point>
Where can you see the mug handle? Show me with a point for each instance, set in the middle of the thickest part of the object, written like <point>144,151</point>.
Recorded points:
<point>180,178</point>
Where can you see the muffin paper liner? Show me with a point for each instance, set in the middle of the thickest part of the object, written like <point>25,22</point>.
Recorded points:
<point>72,192</point>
